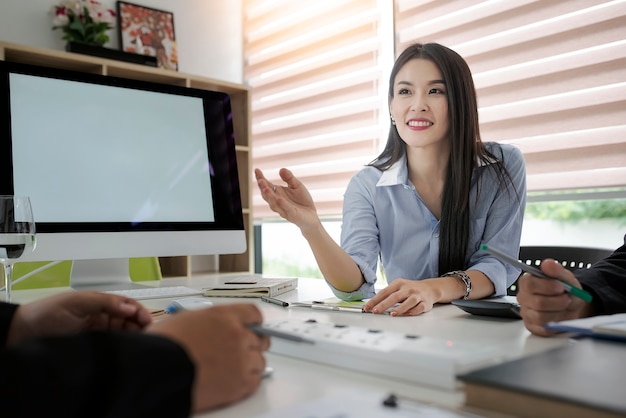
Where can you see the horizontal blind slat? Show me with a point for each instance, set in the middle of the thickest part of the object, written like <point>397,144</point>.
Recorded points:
<point>314,85</point>
<point>611,93</point>
<point>549,76</point>
<point>541,29</point>
<point>588,179</point>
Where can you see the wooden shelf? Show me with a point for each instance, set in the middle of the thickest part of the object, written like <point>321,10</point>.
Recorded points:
<point>171,266</point>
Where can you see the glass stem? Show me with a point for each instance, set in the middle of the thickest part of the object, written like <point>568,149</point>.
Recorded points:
<point>8,281</point>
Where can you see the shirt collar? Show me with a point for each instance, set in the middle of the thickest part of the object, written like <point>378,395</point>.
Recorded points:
<point>394,175</point>
<point>487,161</point>
<point>398,172</point>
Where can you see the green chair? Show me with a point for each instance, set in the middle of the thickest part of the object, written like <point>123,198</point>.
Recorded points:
<point>43,274</point>
<point>144,269</point>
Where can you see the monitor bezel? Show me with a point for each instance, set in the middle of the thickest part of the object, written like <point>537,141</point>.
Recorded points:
<point>207,237</point>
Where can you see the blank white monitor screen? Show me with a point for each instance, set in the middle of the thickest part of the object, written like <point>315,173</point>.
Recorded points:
<point>120,168</point>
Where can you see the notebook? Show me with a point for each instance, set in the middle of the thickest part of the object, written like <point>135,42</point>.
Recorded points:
<point>252,286</point>
<point>611,327</point>
<point>584,378</point>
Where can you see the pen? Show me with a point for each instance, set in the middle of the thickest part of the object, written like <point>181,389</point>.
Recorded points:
<point>274,301</point>
<point>575,291</point>
<point>338,308</point>
<point>158,313</point>
<point>171,308</point>
<point>261,330</point>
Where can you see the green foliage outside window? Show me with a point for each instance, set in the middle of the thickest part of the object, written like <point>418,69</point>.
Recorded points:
<point>573,211</point>
<point>290,268</point>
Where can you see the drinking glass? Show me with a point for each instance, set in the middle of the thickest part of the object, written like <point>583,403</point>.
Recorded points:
<point>17,234</point>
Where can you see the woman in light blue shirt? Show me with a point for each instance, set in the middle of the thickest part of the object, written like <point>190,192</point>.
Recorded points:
<point>426,203</point>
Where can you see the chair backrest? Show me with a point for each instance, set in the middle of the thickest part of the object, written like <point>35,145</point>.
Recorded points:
<point>571,258</point>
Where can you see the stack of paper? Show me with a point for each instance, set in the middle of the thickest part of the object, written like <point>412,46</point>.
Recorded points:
<point>602,326</point>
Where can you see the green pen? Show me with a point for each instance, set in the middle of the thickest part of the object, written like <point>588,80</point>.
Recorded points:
<point>575,291</point>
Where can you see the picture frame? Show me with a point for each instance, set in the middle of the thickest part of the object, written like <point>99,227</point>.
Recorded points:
<point>147,31</point>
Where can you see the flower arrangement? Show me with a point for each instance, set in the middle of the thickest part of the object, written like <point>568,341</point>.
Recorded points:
<point>83,21</point>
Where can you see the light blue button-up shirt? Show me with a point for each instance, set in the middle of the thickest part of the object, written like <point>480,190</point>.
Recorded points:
<point>384,215</point>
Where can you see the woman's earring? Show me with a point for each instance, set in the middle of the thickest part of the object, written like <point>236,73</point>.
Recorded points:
<point>393,121</point>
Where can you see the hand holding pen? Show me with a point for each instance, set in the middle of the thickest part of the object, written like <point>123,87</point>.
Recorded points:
<point>543,301</point>
<point>573,290</point>
<point>227,356</point>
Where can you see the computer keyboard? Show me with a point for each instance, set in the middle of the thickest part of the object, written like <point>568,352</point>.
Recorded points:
<point>157,292</point>
<point>409,357</point>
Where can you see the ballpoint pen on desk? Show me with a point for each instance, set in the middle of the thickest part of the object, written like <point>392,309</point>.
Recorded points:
<point>337,308</point>
<point>274,301</point>
<point>575,291</point>
<point>332,304</point>
<point>261,330</point>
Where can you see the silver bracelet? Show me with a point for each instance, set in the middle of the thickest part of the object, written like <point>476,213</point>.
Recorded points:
<point>464,278</point>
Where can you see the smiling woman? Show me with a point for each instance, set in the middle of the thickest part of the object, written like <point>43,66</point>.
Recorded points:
<point>434,194</point>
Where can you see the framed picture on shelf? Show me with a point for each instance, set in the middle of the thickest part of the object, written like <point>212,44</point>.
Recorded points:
<point>147,31</point>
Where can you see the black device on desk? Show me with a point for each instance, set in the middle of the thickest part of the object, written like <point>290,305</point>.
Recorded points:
<point>506,307</point>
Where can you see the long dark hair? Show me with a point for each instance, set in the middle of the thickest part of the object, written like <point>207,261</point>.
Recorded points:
<point>467,151</point>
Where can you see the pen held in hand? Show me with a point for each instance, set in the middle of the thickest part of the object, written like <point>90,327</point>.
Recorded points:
<point>575,291</point>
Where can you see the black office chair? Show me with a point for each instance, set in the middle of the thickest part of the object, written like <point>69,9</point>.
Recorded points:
<point>571,258</point>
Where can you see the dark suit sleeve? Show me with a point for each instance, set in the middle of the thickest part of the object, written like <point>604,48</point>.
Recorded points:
<point>7,310</point>
<point>96,374</point>
<point>606,280</point>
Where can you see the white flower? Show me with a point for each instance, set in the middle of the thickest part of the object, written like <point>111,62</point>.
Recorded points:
<point>83,20</point>
<point>60,20</point>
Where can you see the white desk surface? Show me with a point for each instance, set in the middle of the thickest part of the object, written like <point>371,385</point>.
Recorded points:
<point>295,381</point>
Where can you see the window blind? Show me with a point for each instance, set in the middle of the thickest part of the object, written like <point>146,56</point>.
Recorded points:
<point>314,73</point>
<point>550,78</point>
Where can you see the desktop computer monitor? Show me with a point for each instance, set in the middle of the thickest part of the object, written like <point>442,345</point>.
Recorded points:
<point>118,168</point>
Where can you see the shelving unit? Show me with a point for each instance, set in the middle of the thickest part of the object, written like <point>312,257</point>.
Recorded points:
<point>171,266</point>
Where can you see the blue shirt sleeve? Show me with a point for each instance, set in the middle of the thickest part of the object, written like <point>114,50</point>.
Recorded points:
<point>359,232</point>
<point>385,219</point>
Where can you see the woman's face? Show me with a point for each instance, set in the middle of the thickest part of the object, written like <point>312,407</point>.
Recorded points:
<point>419,105</point>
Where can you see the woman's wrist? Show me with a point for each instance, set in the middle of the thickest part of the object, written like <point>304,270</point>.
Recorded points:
<point>465,280</point>
<point>314,231</point>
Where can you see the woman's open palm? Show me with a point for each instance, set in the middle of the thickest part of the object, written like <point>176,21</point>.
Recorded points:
<point>293,202</point>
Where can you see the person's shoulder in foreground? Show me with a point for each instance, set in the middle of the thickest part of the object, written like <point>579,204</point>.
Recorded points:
<point>94,354</point>
<point>542,301</point>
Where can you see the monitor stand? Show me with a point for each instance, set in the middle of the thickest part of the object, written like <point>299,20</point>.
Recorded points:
<point>102,275</point>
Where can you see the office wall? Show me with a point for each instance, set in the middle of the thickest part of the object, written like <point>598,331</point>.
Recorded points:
<point>208,32</point>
